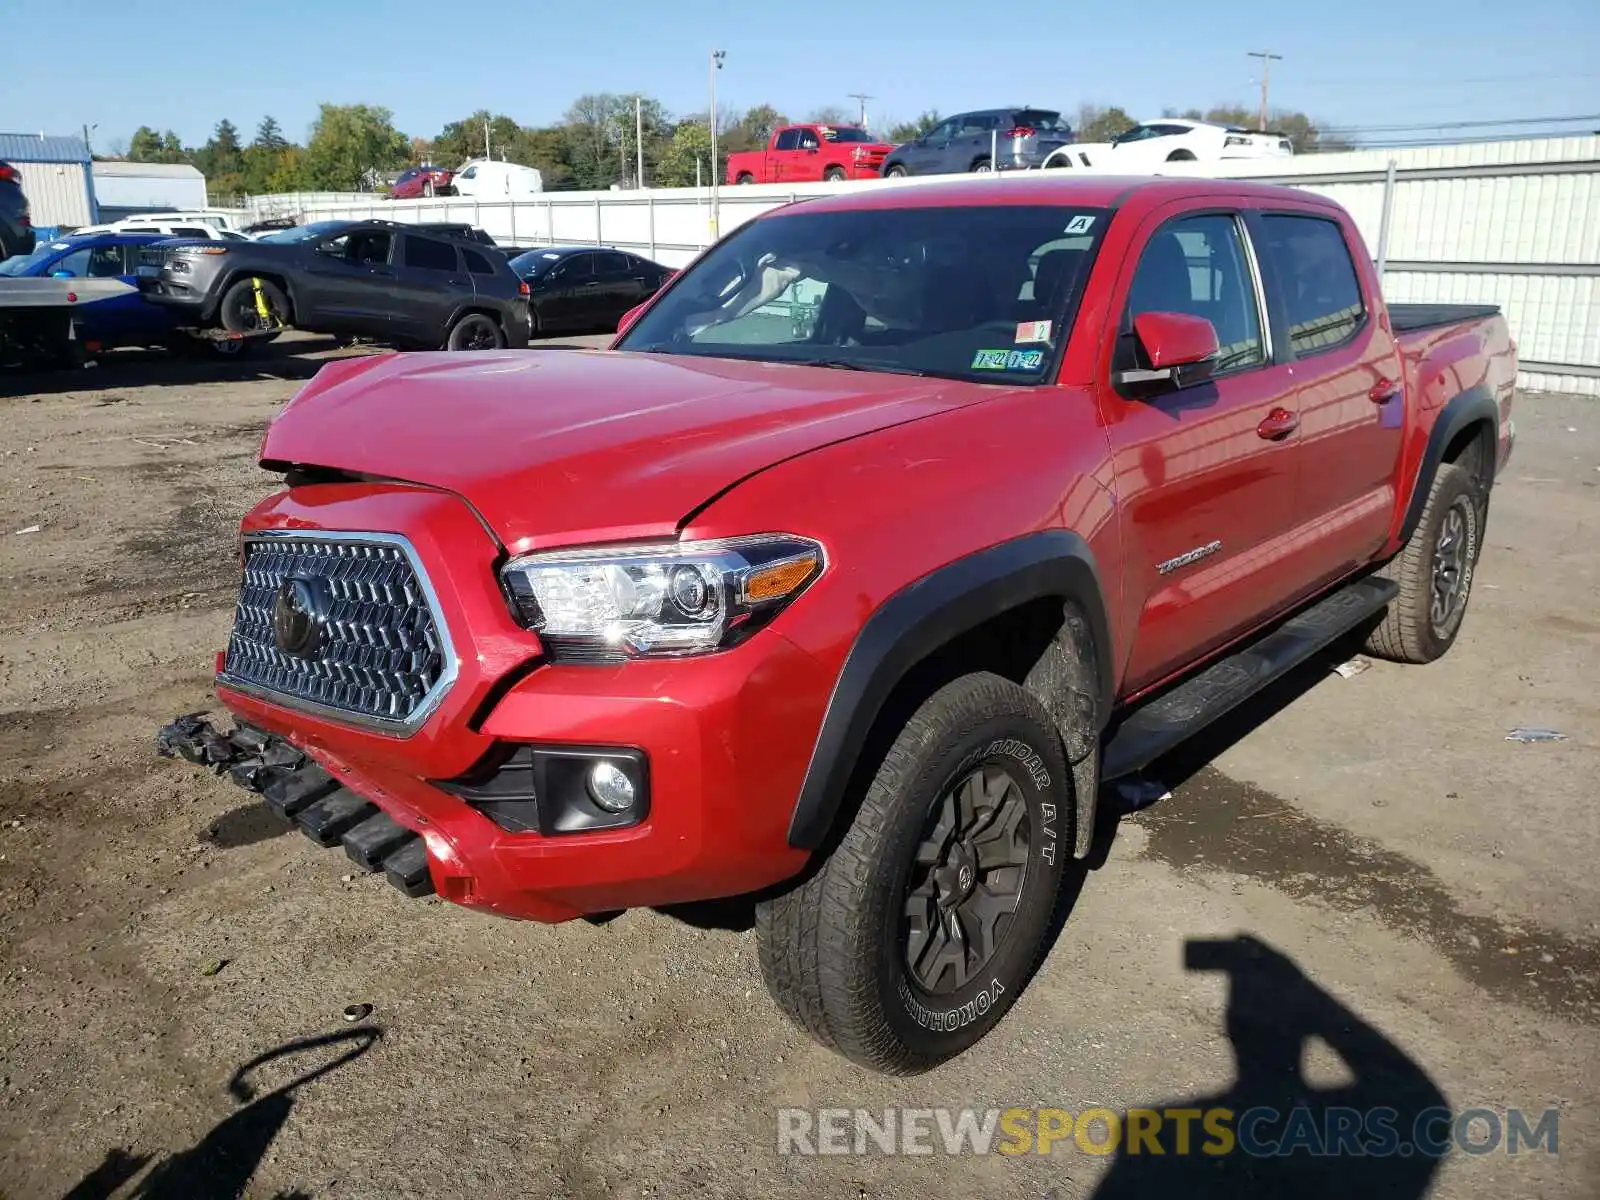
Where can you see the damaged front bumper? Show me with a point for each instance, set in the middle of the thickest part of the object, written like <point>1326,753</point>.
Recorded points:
<point>290,782</point>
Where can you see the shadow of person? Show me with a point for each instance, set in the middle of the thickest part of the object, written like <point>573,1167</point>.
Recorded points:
<point>219,1166</point>
<point>1284,1136</point>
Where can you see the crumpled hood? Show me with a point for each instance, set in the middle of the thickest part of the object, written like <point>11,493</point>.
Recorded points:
<point>559,446</point>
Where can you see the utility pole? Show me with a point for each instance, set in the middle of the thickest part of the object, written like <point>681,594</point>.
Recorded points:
<point>638,135</point>
<point>486,152</point>
<point>861,99</point>
<point>1266,58</point>
<point>717,57</point>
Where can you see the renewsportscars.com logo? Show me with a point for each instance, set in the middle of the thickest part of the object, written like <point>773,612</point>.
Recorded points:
<point>1258,1132</point>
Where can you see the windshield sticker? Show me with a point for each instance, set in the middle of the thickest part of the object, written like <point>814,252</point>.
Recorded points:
<point>1080,224</point>
<point>1008,360</point>
<point>1033,331</point>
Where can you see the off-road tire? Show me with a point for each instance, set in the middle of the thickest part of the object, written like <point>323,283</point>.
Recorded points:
<point>475,331</point>
<point>1409,632</point>
<point>833,949</point>
<point>237,309</point>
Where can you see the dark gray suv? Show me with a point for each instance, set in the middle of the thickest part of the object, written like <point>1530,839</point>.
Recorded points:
<point>1005,138</point>
<point>401,284</point>
<point>16,233</point>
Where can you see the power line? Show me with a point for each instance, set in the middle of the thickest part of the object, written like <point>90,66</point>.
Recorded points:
<point>1428,125</point>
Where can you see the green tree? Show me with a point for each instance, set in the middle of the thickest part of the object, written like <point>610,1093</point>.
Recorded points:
<point>1302,131</point>
<point>910,131</point>
<point>269,136</point>
<point>221,161</point>
<point>290,172</point>
<point>594,131</point>
<point>1098,124</point>
<point>172,150</point>
<point>145,145</point>
<point>750,130</point>
<point>351,142</point>
<point>690,143</point>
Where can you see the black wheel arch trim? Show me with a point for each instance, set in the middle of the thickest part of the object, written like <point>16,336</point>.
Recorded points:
<point>924,616</point>
<point>1475,405</point>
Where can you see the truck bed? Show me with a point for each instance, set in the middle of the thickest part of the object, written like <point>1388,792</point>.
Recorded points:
<point>1407,318</point>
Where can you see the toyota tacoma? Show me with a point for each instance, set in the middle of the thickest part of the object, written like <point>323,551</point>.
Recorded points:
<point>876,541</point>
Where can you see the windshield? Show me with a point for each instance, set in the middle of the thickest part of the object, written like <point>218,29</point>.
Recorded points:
<point>844,133</point>
<point>23,264</point>
<point>983,293</point>
<point>305,233</point>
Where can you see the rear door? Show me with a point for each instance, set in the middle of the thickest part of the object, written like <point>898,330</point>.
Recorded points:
<point>621,284</point>
<point>433,285</point>
<point>1348,375</point>
<point>1204,476</point>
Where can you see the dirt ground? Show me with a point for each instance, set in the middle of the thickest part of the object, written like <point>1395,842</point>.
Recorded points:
<point>1425,890</point>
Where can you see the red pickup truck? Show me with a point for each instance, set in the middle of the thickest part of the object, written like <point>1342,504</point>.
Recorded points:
<point>884,534</point>
<point>807,153</point>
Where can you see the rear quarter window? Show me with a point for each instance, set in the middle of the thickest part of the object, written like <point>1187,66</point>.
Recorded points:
<point>1317,277</point>
<point>476,263</point>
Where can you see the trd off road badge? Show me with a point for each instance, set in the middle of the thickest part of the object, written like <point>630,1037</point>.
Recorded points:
<point>1188,557</point>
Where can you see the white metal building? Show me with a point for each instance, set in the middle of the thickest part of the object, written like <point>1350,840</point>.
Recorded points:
<point>126,189</point>
<point>55,178</point>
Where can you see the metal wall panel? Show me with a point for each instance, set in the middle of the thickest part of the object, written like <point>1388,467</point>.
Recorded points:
<point>58,193</point>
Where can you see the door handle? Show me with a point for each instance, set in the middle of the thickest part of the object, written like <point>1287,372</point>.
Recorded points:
<point>592,283</point>
<point>1280,422</point>
<point>1383,391</point>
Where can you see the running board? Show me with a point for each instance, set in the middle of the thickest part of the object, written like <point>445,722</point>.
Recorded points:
<point>1152,730</point>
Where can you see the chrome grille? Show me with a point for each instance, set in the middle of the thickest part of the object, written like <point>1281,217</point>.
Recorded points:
<point>380,654</point>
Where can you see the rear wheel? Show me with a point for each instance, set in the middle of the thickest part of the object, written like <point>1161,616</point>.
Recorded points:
<point>244,310</point>
<point>1181,156</point>
<point>475,331</point>
<point>917,933</point>
<point>427,188</point>
<point>833,174</point>
<point>1434,573</point>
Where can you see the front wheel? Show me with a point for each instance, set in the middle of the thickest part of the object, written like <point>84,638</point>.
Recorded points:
<point>475,331</point>
<point>917,933</point>
<point>982,167</point>
<point>252,305</point>
<point>746,177</point>
<point>1434,573</point>
<point>895,171</point>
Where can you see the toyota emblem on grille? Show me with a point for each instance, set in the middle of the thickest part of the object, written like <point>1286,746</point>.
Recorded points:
<point>298,614</point>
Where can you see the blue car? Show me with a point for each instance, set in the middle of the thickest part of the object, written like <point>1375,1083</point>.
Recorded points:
<point>128,320</point>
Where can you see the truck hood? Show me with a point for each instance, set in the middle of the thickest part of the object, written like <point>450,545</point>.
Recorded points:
<point>559,446</point>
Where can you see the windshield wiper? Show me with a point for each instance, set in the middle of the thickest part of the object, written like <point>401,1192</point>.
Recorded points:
<point>844,364</point>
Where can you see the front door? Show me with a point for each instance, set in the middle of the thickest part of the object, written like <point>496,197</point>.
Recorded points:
<point>925,156</point>
<point>347,284</point>
<point>1348,374</point>
<point>1204,475</point>
<point>783,158</point>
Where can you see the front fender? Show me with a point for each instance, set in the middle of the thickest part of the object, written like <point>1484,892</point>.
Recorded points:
<point>927,614</point>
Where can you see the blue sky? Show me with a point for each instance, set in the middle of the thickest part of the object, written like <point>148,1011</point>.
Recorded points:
<point>1356,62</point>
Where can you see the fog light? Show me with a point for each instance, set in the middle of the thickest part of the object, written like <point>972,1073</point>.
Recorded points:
<point>610,787</point>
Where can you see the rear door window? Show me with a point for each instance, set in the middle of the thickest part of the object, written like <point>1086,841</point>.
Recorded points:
<point>1317,277</point>
<point>611,263</point>
<point>429,254</point>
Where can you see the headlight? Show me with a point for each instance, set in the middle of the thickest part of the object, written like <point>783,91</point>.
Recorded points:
<point>680,598</point>
<point>206,249</point>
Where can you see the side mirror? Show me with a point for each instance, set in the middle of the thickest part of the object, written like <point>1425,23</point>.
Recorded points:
<point>1182,350</point>
<point>628,318</point>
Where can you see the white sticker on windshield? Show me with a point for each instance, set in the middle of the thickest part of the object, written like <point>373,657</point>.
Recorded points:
<point>1032,331</point>
<point>1080,225</point>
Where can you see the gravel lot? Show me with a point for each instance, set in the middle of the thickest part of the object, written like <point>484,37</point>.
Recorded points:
<point>1426,889</point>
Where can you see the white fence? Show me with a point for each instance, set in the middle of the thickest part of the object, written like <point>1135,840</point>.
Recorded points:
<point>1510,223</point>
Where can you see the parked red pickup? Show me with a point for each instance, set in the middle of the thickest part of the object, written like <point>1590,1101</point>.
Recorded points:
<point>807,153</point>
<point>888,530</point>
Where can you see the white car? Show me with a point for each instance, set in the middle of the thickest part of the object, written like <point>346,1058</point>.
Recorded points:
<point>1177,139</point>
<point>486,179</point>
<point>177,225</point>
